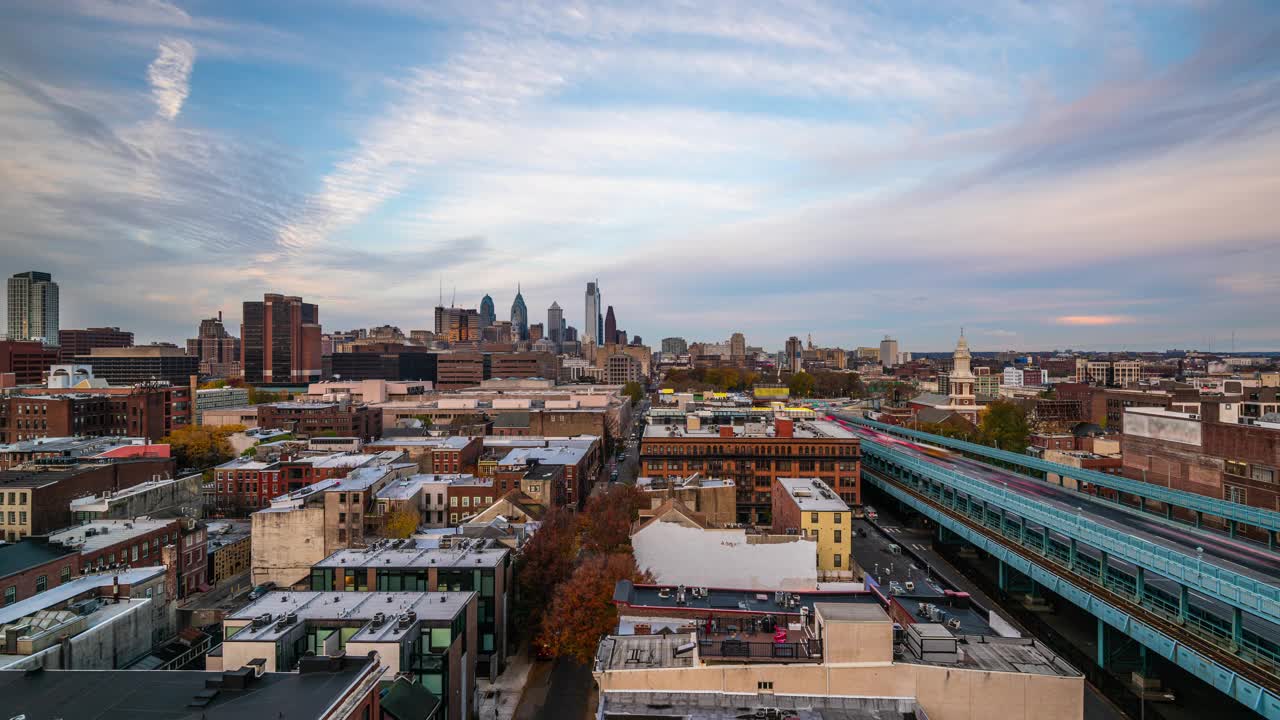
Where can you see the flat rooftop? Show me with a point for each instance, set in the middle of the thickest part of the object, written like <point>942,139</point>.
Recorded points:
<point>812,495</point>
<point>73,588</point>
<point>451,442</point>
<point>472,555</point>
<point>653,705</point>
<point>802,430</point>
<point>70,445</point>
<point>95,535</point>
<point>19,556</point>
<point>350,606</point>
<point>764,602</point>
<point>553,455</point>
<point>167,695</point>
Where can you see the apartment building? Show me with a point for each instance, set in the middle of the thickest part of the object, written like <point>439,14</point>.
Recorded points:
<point>809,508</point>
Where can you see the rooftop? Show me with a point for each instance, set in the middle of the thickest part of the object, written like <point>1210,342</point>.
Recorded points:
<point>171,694</point>
<point>451,442</point>
<point>222,533</point>
<point>616,705</point>
<point>555,455</point>
<point>73,588</point>
<point>765,602</point>
<point>20,556</point>
<point>412,554</point>
<point>812,495</point>
<point>98,534</point>
<point>70,446</point>
<point>353,606</point>
<point>802,429</point>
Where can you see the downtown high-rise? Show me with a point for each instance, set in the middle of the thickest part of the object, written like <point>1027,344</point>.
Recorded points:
<point>555,324</point>
<point>33,307</point>
<point>519,317</point>
<point>280,341</point>
<point>592,321</point>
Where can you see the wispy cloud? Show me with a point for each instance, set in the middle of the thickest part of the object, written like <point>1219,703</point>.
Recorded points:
<point>1096,320</point>
<point>170,76</point>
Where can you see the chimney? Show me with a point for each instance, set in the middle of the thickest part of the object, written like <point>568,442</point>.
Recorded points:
<point>219,316</point>
<point>784,427</point>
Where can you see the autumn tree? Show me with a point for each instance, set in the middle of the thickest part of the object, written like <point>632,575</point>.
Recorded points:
<point>1004,426</point>
<point>634,391</point>
<point>800,385</point>
<point>606,522</point>
<point>582,609</point>
<point>544,562</point>
<point>202,446</point>
<point>402,522</point>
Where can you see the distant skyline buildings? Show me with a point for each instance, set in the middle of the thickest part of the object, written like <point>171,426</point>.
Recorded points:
<point>555,324</point>
<point>519,317</point>
<point>487,313</point>
<point>610,326</point>
<point>33,307</point>
<point>592,321</point>
<point>280,341</point>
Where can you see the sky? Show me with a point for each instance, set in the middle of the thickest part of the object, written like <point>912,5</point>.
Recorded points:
<point>1090,174</point>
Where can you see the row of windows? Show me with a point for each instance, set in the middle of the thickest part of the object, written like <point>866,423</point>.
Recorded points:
<point>773,449</point>
<point>1257,473</point>
<point>466,501</point>
<point>21,498</point>
<point>18,518</point>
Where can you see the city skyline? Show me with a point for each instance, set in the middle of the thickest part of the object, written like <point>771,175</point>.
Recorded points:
<point>1007,168</point>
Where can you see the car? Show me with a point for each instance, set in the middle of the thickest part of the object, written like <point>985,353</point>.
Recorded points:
<point>261,590</point>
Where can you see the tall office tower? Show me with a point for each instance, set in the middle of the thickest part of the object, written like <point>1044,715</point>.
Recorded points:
<point>218,350</point>
<point>610,327</point>
<point>555,324</point>
<point>519,317</point>
<point>675,346</point>
<point>280,341</point>
<point>458,324</point>
<point>737,346</point>
<point>591,326</point>
<point>888,352</point>
<point>487,314</point>
<point>794,354</point>
<point>33,307</point>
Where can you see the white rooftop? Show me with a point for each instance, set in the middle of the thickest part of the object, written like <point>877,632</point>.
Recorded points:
<point>555,455</point>
<point>813,495</point>
<point>98,534</point>
<point>74,587</point>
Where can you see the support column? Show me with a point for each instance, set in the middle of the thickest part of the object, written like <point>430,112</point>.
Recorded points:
<point>1183,604</point>
<point>1231,528</point>
<point>1140,586</point>
<point>1237,628</point>
<point>1102,568</point>
<point>1102,644</point>
<point>1003,579</point>
<point>1199,518</point>
<point>1071,555</point>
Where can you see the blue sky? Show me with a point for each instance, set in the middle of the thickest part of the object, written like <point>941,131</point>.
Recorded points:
<point>1071,174</point>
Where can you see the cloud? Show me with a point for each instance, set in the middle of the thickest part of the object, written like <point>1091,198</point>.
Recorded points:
<point>1096,320</point>
<point>170,76</point>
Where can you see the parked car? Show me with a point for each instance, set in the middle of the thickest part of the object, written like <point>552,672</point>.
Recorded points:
<point>261,590</point>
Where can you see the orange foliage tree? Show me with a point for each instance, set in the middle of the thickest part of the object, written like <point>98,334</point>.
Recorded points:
<point>606,522</point>
<point>582,610</point>
<point>544,562</point>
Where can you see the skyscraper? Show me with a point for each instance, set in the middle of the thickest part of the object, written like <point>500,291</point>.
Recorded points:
<point>280,341</point>
<point>555,324</point>
<point>217,349</point>
<point>487,314</point>
<point>519,317</point>
<point>888,352</point>
<point>737,346</point>
<point>794,354</point>
<point>610,327</point>
<point>33,307</point>
<point>592,326</point>
<point>675,346</point>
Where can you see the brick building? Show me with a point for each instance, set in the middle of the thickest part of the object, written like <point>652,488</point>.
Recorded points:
<point>33,566</point>
<point>307,419</point>
<point>437,455</point>
<point>144,411</point>
<point>38,500</point>
<point>754,458</point>
<point>469,495</point>
<point>456,370</point>
<point>581,462</point>
<point>114,544</point>
<point>28,361</point>
<point>280,341</point>
<point>525,365</point>
<point>80,342</point>
<point>250,483</point>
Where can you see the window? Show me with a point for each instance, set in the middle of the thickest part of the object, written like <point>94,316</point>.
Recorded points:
<point>342,535</point>
<point>815,534</point>
<point>11,595</point>
<point>1234,494</point>
<point>342,517</point>
<point>453,502</point>
<point>1240,469</point>
<point>839,518</point>
<point>135,552</point>
<point>764,685</point>
<point>838,536</point>
<point>65,575</point>
<point>1262,474</point>
<point>813,517</point>
<point>42,583</point>
<point>837,559</point>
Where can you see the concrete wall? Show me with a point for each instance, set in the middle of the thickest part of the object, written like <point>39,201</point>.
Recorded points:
<point>945,693</point>
<point>1167,428</point>
<point>109,646</point>
<point>724,558</point>
<point>286,544</point>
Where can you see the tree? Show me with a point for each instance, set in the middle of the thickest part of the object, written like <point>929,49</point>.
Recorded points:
<point>202,446</point>
<point>402,522</point>
<point>634,391</point>
<point>257,396</point>
<point>544,562</point>
<point>214,384</point>
<point>1004,426</point>
<point>582,609</point>
<point>800,385</point>
<point>606,521</point>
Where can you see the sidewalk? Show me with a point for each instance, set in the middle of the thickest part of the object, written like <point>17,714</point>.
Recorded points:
<point>498,699</point>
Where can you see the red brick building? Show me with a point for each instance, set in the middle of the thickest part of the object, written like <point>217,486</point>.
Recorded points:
<point>33,566</point>
<point>144,411</point>
<point>37,501</point>
<point>80,342</point>
<point>27,360</point>
<point>754,461</point>
<point>306,419</point>
<point>469,496</point>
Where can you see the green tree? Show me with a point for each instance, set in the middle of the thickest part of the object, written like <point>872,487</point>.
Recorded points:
<point>801,385</point>
<point>634,391</point>
<point>1004,426</point>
